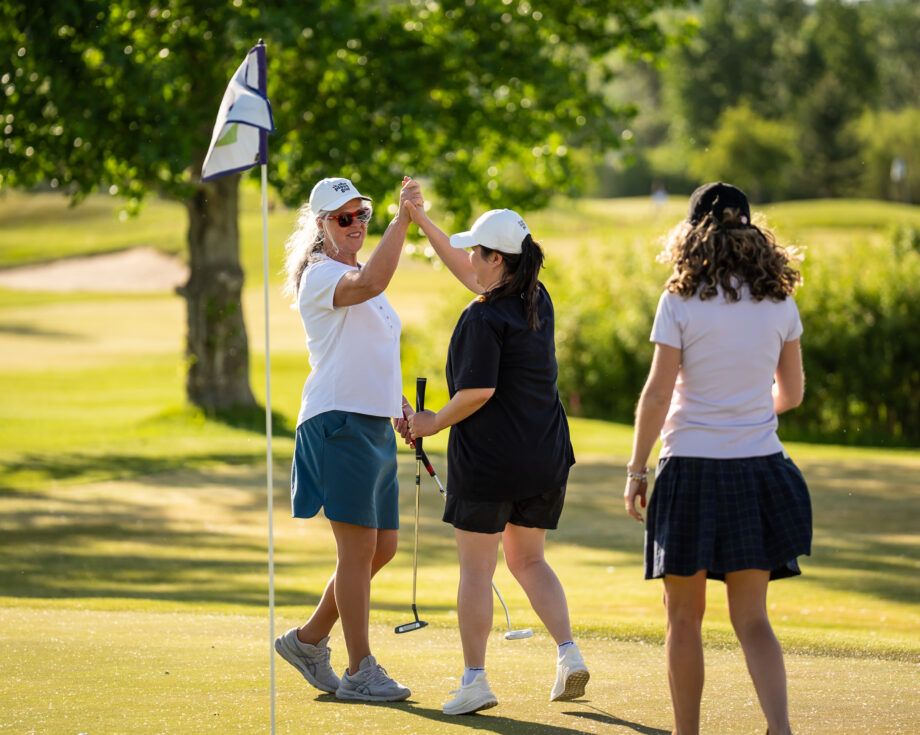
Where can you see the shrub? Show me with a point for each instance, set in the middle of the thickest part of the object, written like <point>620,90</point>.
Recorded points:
<point>860,310</point>
<point>885,136</point>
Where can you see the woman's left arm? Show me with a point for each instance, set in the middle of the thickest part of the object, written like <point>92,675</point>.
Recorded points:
<point>789,388</point>
<point>651,412</point>
<point>465,403</point>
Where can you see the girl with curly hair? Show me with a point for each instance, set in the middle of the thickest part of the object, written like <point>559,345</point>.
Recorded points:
<point>728,502</point>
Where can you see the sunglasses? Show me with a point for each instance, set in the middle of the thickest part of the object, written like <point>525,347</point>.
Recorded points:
<point>346,218</point>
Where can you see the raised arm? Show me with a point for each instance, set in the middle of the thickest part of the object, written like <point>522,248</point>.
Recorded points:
<point>456,259</point>
<point>789,388</point>
<point>374,276</point>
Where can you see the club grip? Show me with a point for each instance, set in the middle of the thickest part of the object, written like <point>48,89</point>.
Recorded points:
<point>419,406</point>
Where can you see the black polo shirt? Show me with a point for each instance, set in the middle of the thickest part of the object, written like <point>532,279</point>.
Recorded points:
<point>517,445</point>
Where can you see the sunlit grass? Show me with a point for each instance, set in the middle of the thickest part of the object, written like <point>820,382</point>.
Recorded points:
<point>133,528</point>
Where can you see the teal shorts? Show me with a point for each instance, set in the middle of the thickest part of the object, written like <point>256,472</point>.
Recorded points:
<point>345,463</point>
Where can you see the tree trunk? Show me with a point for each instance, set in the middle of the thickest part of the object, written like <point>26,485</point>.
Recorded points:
<point>217,348</point>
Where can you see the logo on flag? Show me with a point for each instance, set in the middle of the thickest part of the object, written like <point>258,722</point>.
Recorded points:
<point>240,138</point>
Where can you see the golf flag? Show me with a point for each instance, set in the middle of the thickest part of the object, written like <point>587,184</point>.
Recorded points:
<point>240,138</point>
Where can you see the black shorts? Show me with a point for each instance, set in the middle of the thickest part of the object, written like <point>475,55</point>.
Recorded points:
<point>480,516</point>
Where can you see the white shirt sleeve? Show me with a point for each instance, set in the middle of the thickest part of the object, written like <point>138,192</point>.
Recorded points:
<point>320,280</point>
<point>667,327</point>
<point>795,322</point>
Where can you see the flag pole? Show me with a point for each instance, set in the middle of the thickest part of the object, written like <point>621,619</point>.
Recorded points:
<point>268,450</point>
<point>263,155</point>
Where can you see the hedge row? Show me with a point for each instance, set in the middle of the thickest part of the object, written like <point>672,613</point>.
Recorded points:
<point>861,345</point>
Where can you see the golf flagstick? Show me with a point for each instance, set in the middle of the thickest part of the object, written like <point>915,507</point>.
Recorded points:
<point>419,406</point>
<point>512,634</point>
<point>239,142</point>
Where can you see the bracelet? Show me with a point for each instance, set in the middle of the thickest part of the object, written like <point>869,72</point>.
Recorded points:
<point>642,476</point>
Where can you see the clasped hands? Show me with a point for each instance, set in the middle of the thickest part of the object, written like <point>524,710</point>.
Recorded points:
<point>415,424</point>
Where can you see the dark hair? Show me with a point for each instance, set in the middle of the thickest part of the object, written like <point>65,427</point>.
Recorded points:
<point>723,253</point>
<point>522,272</point>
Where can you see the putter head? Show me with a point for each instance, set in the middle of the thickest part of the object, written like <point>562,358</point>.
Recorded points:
<point>514,635</point>
<point>414,625</point>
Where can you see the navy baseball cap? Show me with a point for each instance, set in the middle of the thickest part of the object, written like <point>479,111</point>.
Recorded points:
<point>714,198</point>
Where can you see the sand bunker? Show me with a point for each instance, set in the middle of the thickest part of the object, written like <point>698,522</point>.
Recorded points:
<point>143,269</point>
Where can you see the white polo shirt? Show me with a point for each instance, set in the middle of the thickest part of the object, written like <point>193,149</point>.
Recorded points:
<point>354,350</point>
<point>722,405</point>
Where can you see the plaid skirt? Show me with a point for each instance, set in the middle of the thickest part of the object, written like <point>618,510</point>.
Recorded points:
<point>726,515</point>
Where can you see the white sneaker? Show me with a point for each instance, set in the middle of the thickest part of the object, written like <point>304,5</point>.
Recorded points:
<point>571,676</point>
<point>311,661</point>
<point>471,698</point>
<point>370,683</point>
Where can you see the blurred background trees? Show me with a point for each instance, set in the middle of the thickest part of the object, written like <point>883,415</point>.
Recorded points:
<point>499,102</point>
<point>485,98</point>
<point>791,99</point>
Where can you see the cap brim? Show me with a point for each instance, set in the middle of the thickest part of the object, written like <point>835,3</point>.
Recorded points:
<point>463,240</point>
<point>342,200</point>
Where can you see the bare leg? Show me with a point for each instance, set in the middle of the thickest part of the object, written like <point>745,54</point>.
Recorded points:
<point>524,556</point>
<point>326,613</point>
<point>356,547</point>
<point>477,553</point>
<point>685,602</point>
<point>747,606</point>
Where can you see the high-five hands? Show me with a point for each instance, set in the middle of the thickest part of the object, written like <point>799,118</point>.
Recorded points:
<point>415,206</point>
<point>410,196</point>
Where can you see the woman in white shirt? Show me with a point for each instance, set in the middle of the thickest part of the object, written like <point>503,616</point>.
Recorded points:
<point>728,502</point>
<point>345,450</point>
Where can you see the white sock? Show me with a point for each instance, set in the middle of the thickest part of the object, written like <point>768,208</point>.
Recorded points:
<point>470,673</point>
<point>563,646</point>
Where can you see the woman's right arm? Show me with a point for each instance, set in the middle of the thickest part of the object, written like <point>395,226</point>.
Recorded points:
<point>651,412</point>
<point>789,388</point>
<point>356,287</point>
<point>456,259</point>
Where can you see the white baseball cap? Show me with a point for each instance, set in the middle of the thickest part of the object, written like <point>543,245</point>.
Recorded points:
<point>330,194</point>
<point>498,229</point>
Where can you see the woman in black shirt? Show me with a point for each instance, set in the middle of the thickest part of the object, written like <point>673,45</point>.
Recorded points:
<point>509,451</point>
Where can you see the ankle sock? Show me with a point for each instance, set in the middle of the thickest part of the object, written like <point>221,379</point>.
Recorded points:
<point>469,673</point>
<point>563,646</point>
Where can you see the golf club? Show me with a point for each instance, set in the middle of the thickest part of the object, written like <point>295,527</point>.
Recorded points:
<point>512,634</point>
<point>419,406</point>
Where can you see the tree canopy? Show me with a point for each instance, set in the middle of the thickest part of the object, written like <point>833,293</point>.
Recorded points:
<point>486,98</point>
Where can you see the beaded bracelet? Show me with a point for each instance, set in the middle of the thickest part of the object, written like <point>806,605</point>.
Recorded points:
<point>642,476</point>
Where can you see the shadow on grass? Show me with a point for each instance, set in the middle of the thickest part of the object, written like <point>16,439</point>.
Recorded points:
<point>489,722</point>
<point>29,330</point>
<point>599,715</point>
<point>864,514</point>
<point>106,540</point>
<point>93,467</point>
<point>252,418</point>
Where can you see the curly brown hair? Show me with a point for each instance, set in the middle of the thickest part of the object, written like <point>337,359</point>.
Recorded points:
<point>715,255</point>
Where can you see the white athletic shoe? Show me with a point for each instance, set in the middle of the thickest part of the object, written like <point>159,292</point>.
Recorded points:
<point>571,676</point>
<point>311,661</point>
<point>370,683</point>
<point>471,698</point>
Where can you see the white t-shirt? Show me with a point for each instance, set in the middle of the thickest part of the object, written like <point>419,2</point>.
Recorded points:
<point>354,350</point>
<point>722,405</point>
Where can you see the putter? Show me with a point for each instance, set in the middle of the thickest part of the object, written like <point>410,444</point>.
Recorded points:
<point>512,634</point>
<point>419,406</point>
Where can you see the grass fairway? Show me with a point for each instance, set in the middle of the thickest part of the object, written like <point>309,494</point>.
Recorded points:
<point>133,571</point>
<point>140,606</point>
